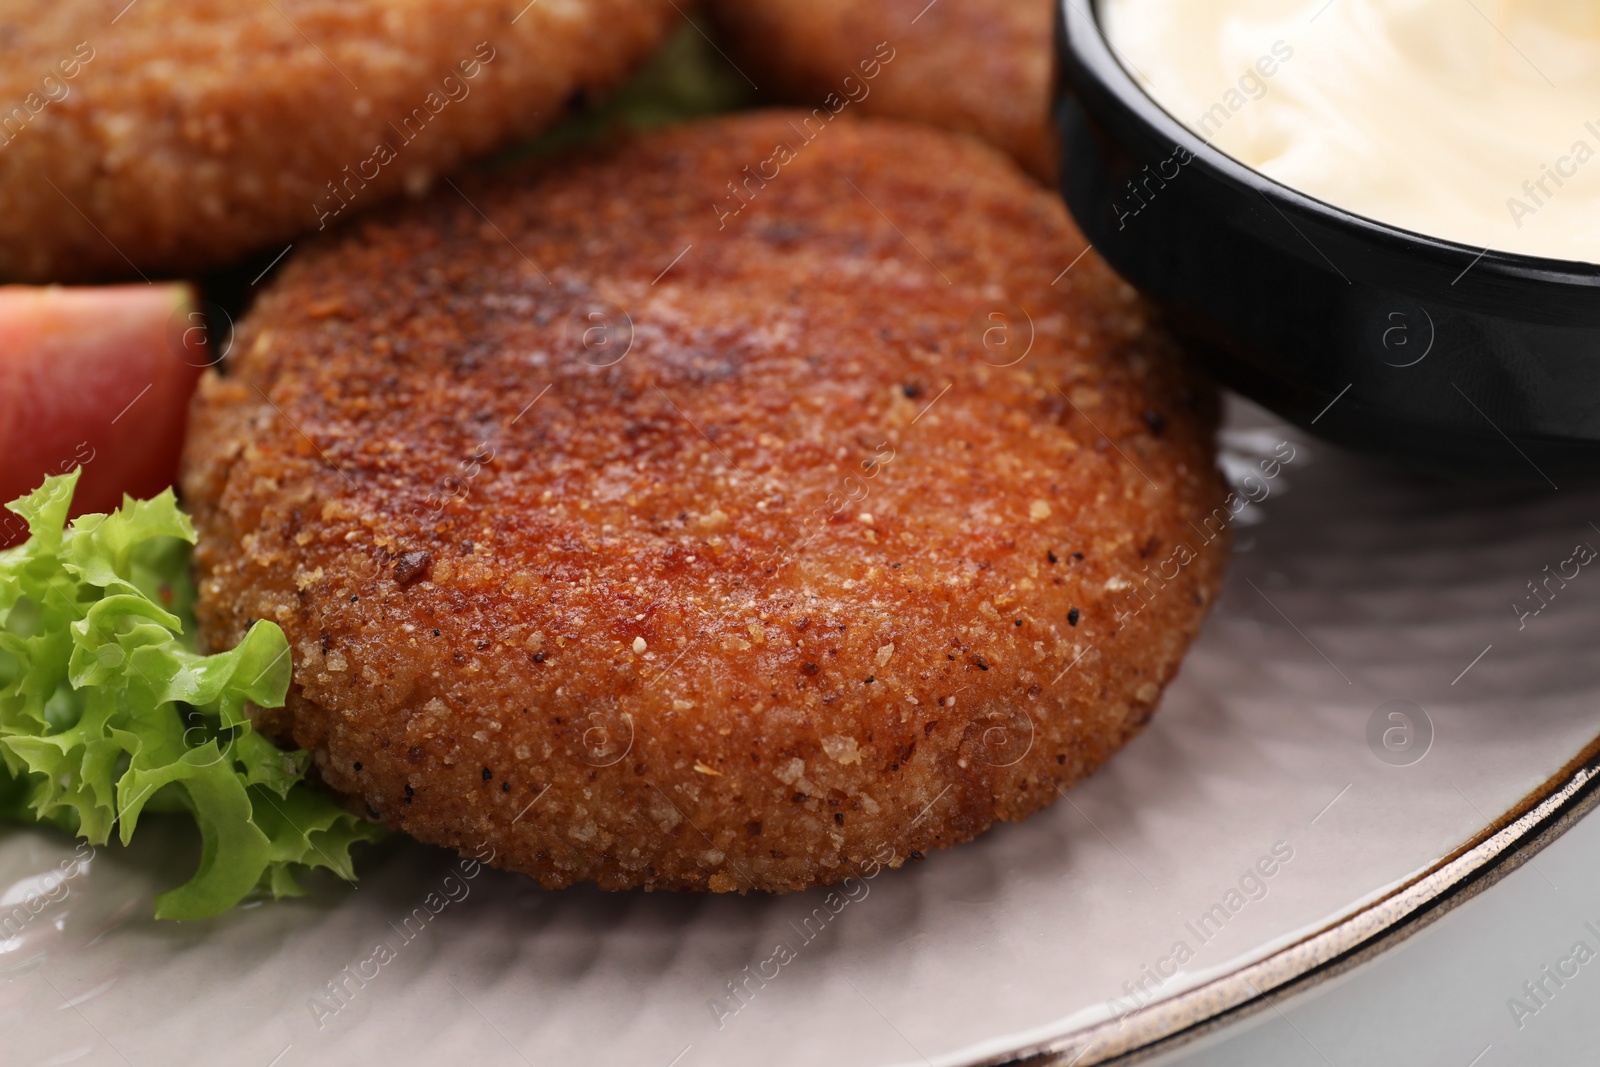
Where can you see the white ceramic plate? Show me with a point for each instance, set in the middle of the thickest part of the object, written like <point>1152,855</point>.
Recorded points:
<point>1105,923</point>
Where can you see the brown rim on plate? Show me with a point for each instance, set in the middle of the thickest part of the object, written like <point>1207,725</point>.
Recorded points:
<point>1500,848</point>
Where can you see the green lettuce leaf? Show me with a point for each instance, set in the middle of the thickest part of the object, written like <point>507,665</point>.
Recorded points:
<point>687,78</point>
<point>107,711</point>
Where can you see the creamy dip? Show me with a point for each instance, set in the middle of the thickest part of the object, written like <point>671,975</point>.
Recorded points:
<point>1477,121</point>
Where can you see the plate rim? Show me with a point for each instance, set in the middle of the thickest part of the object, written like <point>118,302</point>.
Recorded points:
<point>1505,844</point>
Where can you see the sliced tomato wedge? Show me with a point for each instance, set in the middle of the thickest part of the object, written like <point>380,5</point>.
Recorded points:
<point>98,377</point>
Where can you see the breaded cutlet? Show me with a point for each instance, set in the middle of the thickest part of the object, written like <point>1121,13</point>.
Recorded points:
<point>179,135</point>
<point>980,67</point>
<point>656,543</point>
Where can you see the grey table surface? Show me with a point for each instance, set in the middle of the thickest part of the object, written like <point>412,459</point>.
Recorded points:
<point>1453,994</point>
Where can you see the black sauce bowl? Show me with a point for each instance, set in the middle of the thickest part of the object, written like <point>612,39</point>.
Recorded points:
<point>1448,359</point>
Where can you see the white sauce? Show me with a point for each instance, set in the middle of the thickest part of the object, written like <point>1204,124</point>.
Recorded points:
<point>1477,121</point>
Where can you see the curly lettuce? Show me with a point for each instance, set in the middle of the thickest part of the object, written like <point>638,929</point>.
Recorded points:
<point>107,711</point>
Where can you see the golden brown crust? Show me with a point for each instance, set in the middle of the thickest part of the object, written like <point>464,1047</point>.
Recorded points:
<point>805,577</point>
<point>976,66</point>
<point>194,131</point>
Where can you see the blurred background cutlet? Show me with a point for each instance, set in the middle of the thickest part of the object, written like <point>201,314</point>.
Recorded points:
<point>182,135</point>
<point>981,67</point>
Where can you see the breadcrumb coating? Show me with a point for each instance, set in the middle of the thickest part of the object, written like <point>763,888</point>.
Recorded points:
<point>656,545</point>
<point>182,134</point>
<point>981,67</point>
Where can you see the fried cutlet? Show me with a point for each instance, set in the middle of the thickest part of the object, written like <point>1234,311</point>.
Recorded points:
<point>654,543</point>
<point>178,135</point>
<point>981,67</point>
